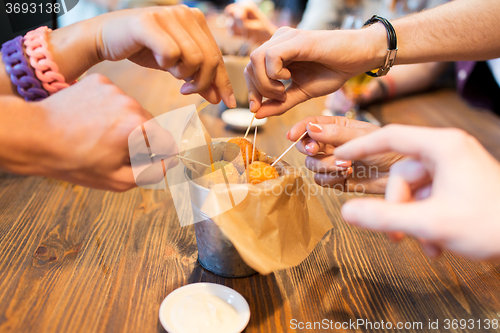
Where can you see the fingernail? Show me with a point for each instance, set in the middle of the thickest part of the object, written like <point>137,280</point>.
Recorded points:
<point>252,105</point>
<point>315,128</point>
<point>347,172</point>
<point>232,101</point>
<point>342,163</point>
<point>186,88</point>
<point>309,148</point>
<point>288,135</point>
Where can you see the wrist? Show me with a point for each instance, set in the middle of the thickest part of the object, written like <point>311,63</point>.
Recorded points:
<point>21,126</point>
<point>74,48</point>
<point>374,38</point>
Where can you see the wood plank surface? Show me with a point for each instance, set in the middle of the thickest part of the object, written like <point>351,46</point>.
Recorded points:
<point>74,259</point>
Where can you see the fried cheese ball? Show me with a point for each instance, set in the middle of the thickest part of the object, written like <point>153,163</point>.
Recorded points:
<point>259,172</point>
<point>230,152</point>
<point>233,176</point>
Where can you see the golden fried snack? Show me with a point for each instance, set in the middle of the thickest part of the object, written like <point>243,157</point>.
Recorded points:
<point>230,152</point>
<point>217,177</point>
<point>259,172</point>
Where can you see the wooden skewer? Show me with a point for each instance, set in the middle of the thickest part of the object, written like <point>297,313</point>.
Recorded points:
<point>247,165</point>
<point>254,140</point>
<point>190,160</point>
<point>249,126</point>
<point>286,151</point>
<point>202,106</point>
<point>208,139</point>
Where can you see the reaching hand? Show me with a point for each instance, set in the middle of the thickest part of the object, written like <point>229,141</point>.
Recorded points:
<point>247,20</point>
<point>317,62</point>
<point>446,195</point>
<point>175,39</point>
<point>325,134</point>
<point>83,135</point>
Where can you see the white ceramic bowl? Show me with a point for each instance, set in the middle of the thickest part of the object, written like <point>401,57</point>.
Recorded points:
<point>226,294</point>
<point>241,118</point>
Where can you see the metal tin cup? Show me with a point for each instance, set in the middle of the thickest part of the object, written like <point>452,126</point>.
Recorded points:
<point>216,253</point>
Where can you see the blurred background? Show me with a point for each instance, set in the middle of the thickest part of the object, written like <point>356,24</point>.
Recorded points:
<point>241,27</point>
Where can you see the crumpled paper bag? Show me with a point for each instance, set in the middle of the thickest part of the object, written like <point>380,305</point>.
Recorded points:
<point>276,226</point>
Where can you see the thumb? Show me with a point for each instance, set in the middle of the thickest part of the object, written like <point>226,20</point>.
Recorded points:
<point>378,214</point>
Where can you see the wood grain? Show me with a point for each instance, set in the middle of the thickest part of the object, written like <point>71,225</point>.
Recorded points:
<point>74,259</point>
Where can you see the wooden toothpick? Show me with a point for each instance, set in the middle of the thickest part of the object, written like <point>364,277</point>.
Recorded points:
<point>202,106</point>
<point>247,169</point>
<point>208,139</point>
<point>286,151</point>
<point>249,126</point>
<point>254,140</point>
<point>190,160</point>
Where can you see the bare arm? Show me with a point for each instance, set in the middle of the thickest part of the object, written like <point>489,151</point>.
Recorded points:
<point>74,50</point>
<point>403,80</point>
<point>320,62</point>
<point>459,30</point>
<point>175,39</point>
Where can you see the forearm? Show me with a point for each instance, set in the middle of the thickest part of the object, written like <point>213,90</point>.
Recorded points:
<point>73,49</point>
<point>21,137</point>
<point>409,79</point>
<point>459,30</point>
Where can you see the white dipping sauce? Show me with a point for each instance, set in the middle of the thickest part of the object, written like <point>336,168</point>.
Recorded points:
<point>204,313</point>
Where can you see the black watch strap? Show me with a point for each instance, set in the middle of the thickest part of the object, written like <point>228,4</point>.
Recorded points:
<point>392,45</point>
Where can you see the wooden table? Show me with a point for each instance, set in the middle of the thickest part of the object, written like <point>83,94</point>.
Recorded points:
<point>73,259</point>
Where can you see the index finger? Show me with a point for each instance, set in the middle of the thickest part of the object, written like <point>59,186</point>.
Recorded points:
<point>408,140</point>
<point>221,78</point>
<point>301,126</point>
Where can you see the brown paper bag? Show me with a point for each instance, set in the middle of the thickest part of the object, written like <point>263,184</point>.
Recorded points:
<point>276,226</point>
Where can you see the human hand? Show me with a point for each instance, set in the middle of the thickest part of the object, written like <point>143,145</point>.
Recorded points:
<point>317,62</point>
<point>325,134</point>
<point>247,20</point>
<point>340,102</point>
<point>83,135</point>
<point>174,38</point>
<point>446,195</point>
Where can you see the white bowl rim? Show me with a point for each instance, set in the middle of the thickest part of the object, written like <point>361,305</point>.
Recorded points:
<point>256,122</point>
<point>233,298</point>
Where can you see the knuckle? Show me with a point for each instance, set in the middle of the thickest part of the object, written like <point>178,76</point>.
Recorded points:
<point>283,29</point>
<point>335,130</point>
<point>255,56</point>
<point>271,53</point>
<point>123,187</point>
<point>310,119</point>
<point>213,61</point>
<point>198,14</point>
<point>126,103</point>
<point>181,8</point>
<point>459,134</point>
<point>99,78</point>
<point>392,127</point>
<point>145,18</point>
<point>459,139</point>
<point>248,69</point>
<point>195,59</point>
<point>183,11</point>
<point>114,91</point>
<point>173,52</point>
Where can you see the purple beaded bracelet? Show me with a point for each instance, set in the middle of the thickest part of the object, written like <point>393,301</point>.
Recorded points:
<point>21,74</point>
